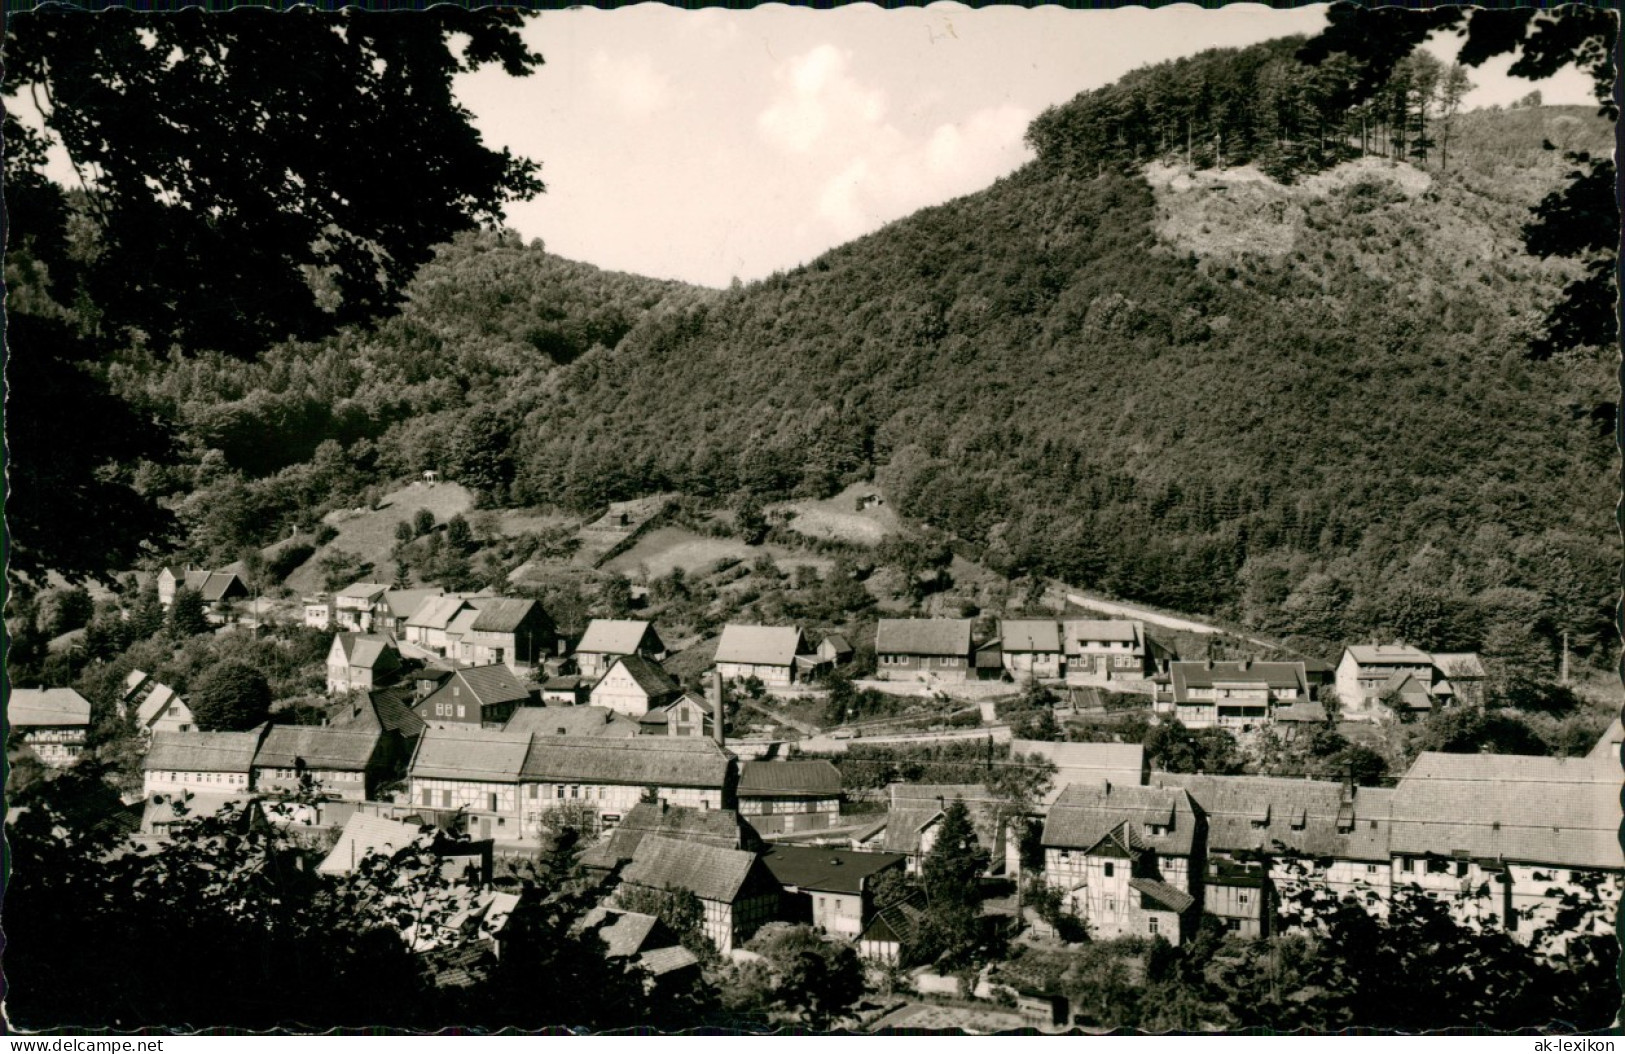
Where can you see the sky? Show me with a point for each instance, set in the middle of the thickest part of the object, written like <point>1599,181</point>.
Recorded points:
<point>712,145</point>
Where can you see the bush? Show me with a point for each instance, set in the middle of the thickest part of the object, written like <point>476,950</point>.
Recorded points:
<point>326,533</point>
<point>230,697</point>
<point>287,561</point>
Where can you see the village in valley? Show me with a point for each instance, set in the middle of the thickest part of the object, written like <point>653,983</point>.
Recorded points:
<point>1082,775</point>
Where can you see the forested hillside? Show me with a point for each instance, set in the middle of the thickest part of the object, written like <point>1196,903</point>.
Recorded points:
<point>1307,406</point>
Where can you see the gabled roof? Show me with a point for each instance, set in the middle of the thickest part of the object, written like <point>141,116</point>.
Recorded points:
<point>825,870</point>
<point>470,753</point>
<point>836,641</point>
<point>616,636</point>
<point>1030,635</point>
<point>1267,813</point>
<point>706,871</point>
<point>437,612</point>
<point>759,645</point>
<point>1563,812</point>
<point>1078,630</point>
<point>1121,763</point>
<point>648,675</point>
<point>626,934</point>
<point>404,603</point>
<point>213,585</point>
<point>156,702</point>
<point>505,614</point>
<point>899,922</point>
<point>134,681</point>
<point>768,779</point>
<point>365,651</point>
<point>1388,655</point>
<point>368,591</point>
<point>382,709</point>
<point>488,685</point>
<point>1607,747</point>
<point>202,751</point>
<point>1285,676</point>
<point>1160,896</point>
<point>649,761</point>
<point>46,707</point>
<point>462,624</point>
<point>1085,813</point>
<point>571,721</point>
<point>331,749</point>
<point>1459,665</point>
<point>915,806</point>
<point>364,834</point>
<point>1411,692</point>
<point>923,636</point>
<point>719,827</point>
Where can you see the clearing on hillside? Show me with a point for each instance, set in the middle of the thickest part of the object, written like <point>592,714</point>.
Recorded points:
<point>664,548</point>
<point>839,517</point>
<point>370,533</point>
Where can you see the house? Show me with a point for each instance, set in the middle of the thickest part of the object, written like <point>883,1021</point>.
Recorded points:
<point>572,721</point>
<point>1237,695</point>
<point>1099,651</point>
<point>364,834</point>
<point>474,769</point>
<point>915,815</point>
<point>892,933</point>
<point>835,650</point>
<point>399,605</point>
<point>928,648</point>
<point>1608,744</point>
<point>459,635</point>
<point>633,686</point>
<point>480,696</point>
<point>1365,671</point>
<point>426,627</point>
<point>566,690</point>
<point>1268,837</point>
<point>687,715</point>
<point>785,796</point>
<point>216,587</point>
<point>1123,764</point>
<point>1531,831</point>
<point>52,722</point>
<point>723,828</point>
<point>205,762</point>
<point>1126,858</point>
<point>359,662</point>
<point>1031,649</point>
<point>356,606</point>
<point>1406,694</point>
<point>345,763</point>
<point>767,653</point>
<point>517,633</point>
<point>318,611</point>
<point>1458,676</point>
<point>736,890</point>
<point>607,639</point>
<point>830,889</point>
<point>387,710</point>
<point>164,711</point>
<point>614,775</point>
<point>644,938</point>
<point>987,662</point>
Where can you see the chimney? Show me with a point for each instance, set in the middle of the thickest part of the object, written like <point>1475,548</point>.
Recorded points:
<point>718,711</point>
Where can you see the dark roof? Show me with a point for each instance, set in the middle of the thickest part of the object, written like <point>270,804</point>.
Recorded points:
<point>1187,675</point>
<point>719,827</point>
<point>666,761</point>
<point>1085,813</point>
<point>202,751</point>
<point>471,754</point>
<point>1562,812</point>
<point>385,709</point>
<point>826,870</point>
<point>489,685</point>
<point>915,805</point>
<point>571,721</point>
<point>707,871</point>
<point>767,779</point>
<point>1030,635</point>
<point>505,615</point>
<point>923,636</point>
<point>366,651</point>
<point>648,675</point>
<point>836,641</point>
<point>1161,896</point>
<point>1275,814</point>
<point>899,922</point>
<point>215,585</point>
<point>338,749</point>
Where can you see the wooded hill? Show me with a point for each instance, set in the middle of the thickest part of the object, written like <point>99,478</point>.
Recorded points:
<point>1307,407</point>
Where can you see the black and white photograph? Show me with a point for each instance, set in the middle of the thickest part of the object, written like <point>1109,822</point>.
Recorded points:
<point>651,520</point>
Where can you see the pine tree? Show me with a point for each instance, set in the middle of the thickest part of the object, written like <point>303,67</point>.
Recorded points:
<point>187,617</point>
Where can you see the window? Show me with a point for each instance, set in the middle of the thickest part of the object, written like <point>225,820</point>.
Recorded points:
<point>1241,898</point>
<point>534,791</point>
<point>1232,924</point>
<point>445,799</point>
<point>1438,867</point>
<point>560,790</point>
<point>1109,869</point>
<point>491,802</point>
<point>1461,869</point>
<point>1151,924</point>
<point>461,710</point>
<point>1371,869</point>
<point>600,794</point>
<point>575,791</point>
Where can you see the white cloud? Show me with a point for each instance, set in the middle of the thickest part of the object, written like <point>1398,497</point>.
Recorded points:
<point>819,95</point>
<point>631,82</point>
